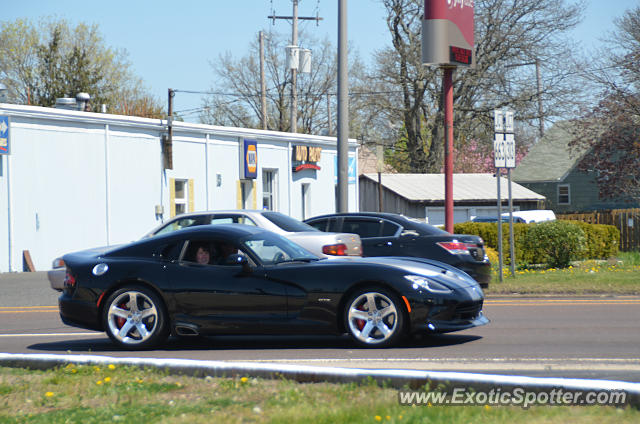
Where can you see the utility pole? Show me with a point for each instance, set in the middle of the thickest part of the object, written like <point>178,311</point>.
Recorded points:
<point>538,92</point>
<point>329,130</point>
<point>294,72</point>
<point>263,85</point>
<point>343,110</point>
<point>167,148</point>
<point>539,84</point>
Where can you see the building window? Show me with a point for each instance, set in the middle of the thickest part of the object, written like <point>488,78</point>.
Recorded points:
<point>269,189</point>
<point>181,193</point>
<point>181,199</point>
<point>564,194</point>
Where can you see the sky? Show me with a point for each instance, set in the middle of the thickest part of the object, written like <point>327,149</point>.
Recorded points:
<point>172,44</point>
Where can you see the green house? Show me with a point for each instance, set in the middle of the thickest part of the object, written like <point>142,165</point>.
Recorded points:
<point>551,169</point>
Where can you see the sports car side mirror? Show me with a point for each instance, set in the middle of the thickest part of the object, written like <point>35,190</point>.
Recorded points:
<point>237,259</point>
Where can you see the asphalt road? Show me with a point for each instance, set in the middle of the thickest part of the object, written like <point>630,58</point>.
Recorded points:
<point>584,337</point>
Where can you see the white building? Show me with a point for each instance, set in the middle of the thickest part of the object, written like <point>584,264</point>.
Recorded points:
<point>72,180</point>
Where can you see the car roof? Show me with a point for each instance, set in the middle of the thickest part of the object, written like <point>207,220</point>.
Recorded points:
<point>406,222</point>
<point>386,215</point>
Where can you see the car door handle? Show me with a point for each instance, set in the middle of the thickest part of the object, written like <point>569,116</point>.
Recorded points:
<point>384,244</point>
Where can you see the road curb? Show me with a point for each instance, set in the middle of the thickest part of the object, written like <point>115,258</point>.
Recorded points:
<point>397,378</point>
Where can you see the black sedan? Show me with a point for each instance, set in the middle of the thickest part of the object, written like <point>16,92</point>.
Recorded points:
<point>389,234</point>
<point>237,279</point>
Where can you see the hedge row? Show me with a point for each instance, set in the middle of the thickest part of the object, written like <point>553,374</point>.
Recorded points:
<point>578,239</point>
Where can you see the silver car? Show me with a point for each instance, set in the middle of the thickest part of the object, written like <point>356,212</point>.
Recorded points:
<point>318,242</point>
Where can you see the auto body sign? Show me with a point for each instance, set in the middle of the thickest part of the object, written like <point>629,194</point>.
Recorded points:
<point>448,33</point>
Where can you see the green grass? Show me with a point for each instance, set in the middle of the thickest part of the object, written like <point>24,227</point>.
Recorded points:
<point>85,394</point>
<point>619,276</point>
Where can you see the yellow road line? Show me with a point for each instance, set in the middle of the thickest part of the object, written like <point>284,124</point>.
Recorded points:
<point>26,307</point>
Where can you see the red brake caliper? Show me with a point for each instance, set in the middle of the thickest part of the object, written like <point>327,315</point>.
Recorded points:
<point>120,321</point>
<point>360,322</point>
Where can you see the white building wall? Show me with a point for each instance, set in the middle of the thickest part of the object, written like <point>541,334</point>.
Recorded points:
<point>4,214</point>
<point>135,183</point>
<point>79,180</point>
<point>54,189</point>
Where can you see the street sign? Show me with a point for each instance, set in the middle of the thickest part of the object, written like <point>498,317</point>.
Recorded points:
<point>504,143</point>
<point>498,121</point>
<point>504,151</point>
<point>508,121</point>
<point>5,147</point>
<point>509,151</point>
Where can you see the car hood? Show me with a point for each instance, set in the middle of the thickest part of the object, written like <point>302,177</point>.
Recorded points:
<point>418,266</point>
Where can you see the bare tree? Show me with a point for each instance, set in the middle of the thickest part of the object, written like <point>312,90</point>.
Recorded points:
<point>610,131</point>
<point>236,96</point>
<point>508,33</point>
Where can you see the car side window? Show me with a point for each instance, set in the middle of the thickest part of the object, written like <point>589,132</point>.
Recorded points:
<point>210,252</point>
<point>390,229</point>
<point>320,224</point>
<point>365,228</point>
<point>171,252</point>
<point>334,225</point>
<point>233,219</point>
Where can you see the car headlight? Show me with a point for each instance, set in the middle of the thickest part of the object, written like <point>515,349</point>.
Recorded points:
<point>427,284</point>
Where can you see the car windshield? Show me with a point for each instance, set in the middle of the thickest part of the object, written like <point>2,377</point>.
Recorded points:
<point>287,223</point>
<point>273,249</point>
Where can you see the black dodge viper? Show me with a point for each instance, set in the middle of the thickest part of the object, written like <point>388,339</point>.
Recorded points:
<point>237,279</point>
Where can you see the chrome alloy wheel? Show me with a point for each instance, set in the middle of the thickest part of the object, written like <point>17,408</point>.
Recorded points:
<point>132,318</point>
<point>373,318</point>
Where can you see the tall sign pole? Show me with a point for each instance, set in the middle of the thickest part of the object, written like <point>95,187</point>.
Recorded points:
<point>504,154</point>
<point>448,42</point>
<point>343,110</point>
<point>448,148</point>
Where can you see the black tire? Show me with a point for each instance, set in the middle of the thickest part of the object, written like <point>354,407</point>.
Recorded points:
<point>135,318</point>
<point>374,317</point>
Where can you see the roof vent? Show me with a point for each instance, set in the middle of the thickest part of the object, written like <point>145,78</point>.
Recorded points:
<point>3,93</point>
<point>68,103</point>
<point>82,101</point>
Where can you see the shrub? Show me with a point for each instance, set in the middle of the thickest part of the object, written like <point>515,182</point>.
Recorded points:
<point>602,240</point>
<point>556,242</point>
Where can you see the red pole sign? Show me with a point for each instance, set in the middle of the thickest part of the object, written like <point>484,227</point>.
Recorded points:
<point>448,33</point>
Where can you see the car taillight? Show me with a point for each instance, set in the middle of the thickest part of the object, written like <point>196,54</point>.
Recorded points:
<point>335,249</point>
<point>454,247</point>
<point>69,279</point>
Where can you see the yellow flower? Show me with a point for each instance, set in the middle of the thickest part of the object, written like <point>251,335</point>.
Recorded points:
<point>96,369</point>
<point>48,394</point>
<point>107,379</point>
<point>378,418</point>
<point>487,407</point>
<point>399,417</point>
<point>112,367</point>
<point>139,381</point>
<point>388,417</point>
<point>99,382</point>
<point>244,379</point>
<point>73,371</point>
